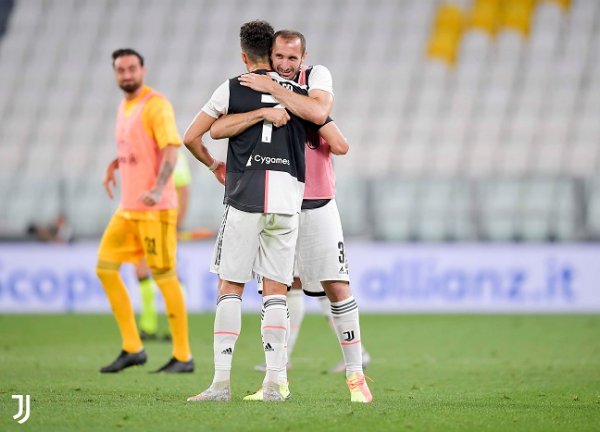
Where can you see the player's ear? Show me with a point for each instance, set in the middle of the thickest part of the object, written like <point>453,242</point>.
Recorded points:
<point>245,58</point>
<point>304,56</point>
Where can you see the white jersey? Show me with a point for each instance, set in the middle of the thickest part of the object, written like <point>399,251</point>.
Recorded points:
<point>320,79</point>
<point>265,165</point>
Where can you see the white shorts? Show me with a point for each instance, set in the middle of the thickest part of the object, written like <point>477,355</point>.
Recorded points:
<point>255,243</point>
<point>320,253</point>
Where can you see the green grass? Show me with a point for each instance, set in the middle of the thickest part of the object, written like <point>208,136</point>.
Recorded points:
<point>430,372</point>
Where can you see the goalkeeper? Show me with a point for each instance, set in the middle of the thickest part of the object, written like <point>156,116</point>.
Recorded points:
<point>148,319</point>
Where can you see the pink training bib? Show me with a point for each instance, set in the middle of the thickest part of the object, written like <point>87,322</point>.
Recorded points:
<point>320,176</point>
<point>139,160</point>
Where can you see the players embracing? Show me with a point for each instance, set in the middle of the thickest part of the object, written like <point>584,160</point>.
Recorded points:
<point>319,252</point>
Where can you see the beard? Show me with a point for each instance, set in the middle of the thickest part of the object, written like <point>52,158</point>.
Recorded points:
<point>130,87</point>
<point>290,74</point>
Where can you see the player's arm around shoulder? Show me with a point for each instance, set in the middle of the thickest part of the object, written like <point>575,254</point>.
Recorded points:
<point>314,107</point>
<point>320,85</point>
<point>320,88</point>
<point>337,142</point>
<point>322,106</point>
<point>231,125</point>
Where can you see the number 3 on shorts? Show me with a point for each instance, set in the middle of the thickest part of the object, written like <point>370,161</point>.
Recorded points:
<point>342,257</point>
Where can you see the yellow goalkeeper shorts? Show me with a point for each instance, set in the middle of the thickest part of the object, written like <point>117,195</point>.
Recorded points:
<point>133,235</point>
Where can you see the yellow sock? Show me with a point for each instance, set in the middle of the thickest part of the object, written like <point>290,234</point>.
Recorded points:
<point>176,313</point>
<point>148,315</point>
<point>121,305</point>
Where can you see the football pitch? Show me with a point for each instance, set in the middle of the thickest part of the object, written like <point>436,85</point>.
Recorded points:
<point>429,372</point>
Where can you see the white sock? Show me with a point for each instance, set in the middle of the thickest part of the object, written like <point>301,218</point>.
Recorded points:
<point>325,306</point>
<point>295,301</point>
<point>282,376</point>
<point>347,329</point>
<point>274,334</point>
<point>228,324</point>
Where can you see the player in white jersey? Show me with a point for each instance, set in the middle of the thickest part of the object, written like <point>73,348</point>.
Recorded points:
<point>264,189</point>
<point>320,253</point>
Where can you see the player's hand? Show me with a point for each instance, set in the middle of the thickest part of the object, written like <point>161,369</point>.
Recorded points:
<point>278,116</point>
<point>110,180</point>
<point>220,172</point>
<point>260,83</point>
<point>150,197</point>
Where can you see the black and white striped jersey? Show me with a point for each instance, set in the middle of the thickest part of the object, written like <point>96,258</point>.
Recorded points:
<point>265,165</point>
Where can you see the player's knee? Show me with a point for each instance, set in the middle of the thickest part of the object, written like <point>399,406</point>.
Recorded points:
<point>337,290</point>
<point>228,287</point>
<point>106,270</point>
<point>161,273</point>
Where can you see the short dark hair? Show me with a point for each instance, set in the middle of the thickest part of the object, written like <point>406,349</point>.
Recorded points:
<point>289,35</point>
<point>125,52</point>
<point>256,38</point>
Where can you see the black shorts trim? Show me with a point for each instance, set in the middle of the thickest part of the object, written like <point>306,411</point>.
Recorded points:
<point>314,294</point>
<point>289,287</point>
<point>312,204</point>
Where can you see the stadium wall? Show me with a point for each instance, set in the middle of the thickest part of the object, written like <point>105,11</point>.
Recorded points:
<point>387,277</point>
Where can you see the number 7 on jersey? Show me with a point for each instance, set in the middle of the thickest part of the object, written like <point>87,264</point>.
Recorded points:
<point>267,129</point>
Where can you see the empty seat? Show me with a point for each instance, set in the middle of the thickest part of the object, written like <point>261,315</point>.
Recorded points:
<point>395,200</point>
<point>498,201</point>
<point>522,100</point>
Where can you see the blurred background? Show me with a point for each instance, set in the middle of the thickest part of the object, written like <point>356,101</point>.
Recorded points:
<point>470,121</point>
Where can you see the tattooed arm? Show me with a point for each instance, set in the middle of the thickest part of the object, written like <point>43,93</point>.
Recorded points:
<point>110,180</point>
<point>169,159</point>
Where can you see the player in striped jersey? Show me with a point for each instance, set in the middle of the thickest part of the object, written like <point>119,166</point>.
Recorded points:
<point>320,252</point>
<point>263,196</point>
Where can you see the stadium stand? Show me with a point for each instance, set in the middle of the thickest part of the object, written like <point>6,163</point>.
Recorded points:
<point>468,120</point>
<point>5,10</point>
